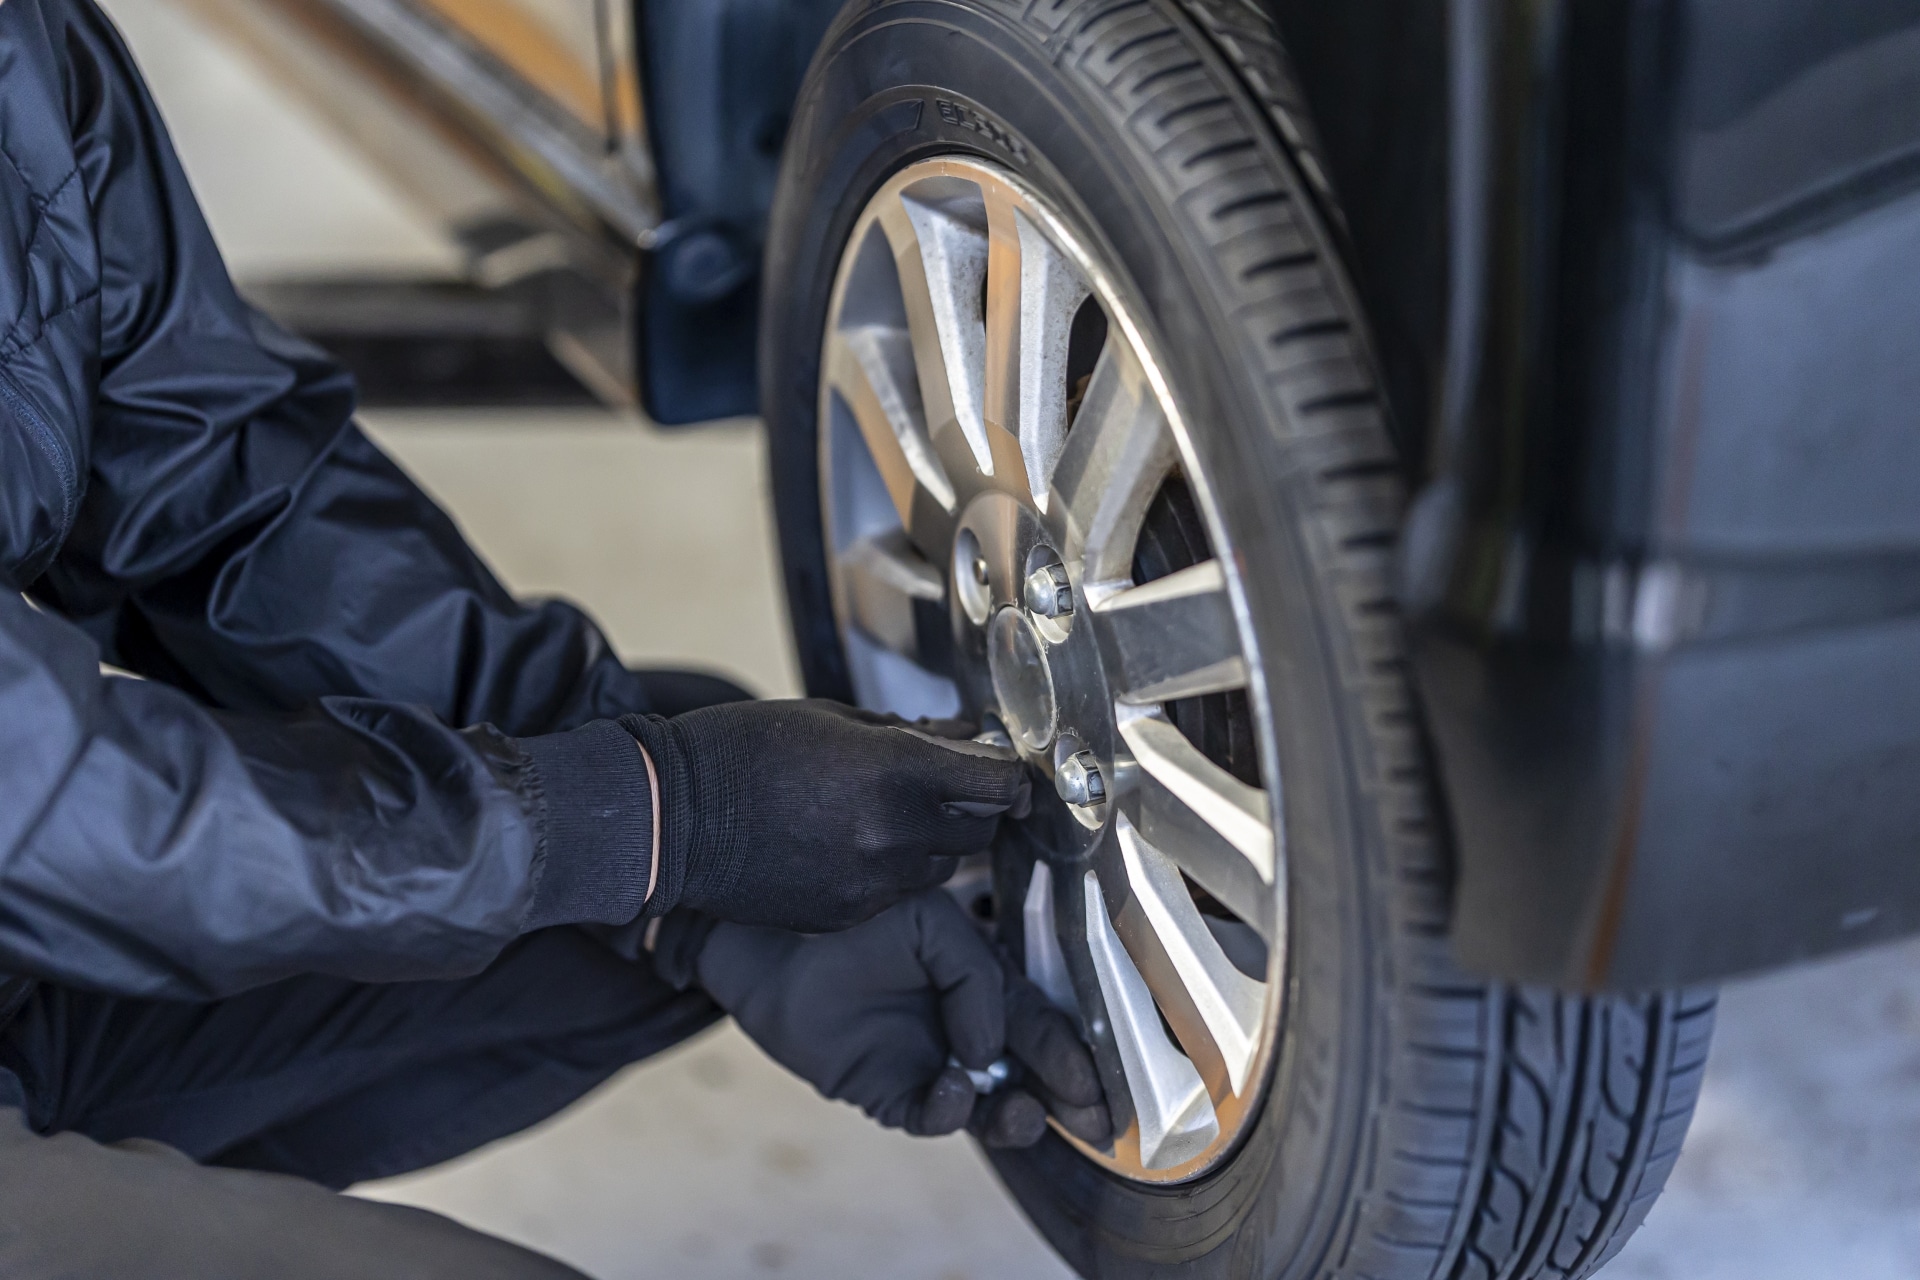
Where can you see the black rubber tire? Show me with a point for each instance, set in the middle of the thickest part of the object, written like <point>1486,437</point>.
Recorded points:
<point>1418,1122</point>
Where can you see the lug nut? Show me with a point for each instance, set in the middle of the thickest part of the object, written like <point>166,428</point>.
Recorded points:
<point>1078,780</point>
<point>980,574</point>
<point>1048,592</point>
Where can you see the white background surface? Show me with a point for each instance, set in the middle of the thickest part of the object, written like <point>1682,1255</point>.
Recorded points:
<point>1804,1162</point>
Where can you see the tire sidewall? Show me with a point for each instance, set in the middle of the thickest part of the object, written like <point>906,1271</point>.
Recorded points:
<point>898,82</point>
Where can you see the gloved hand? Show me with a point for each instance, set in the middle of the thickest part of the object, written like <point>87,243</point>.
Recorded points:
<point>873,1015</point>
<point>812,815</point>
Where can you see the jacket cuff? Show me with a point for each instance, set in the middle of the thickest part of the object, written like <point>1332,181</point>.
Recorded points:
<point>596,817</point>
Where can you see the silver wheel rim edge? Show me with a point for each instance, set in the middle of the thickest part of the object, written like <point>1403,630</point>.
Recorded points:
<point>1190,1096</point>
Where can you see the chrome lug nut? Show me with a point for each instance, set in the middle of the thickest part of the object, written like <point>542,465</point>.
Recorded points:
<point>980,573</point>
<point>1078,780</point>
<point>1048,593</point>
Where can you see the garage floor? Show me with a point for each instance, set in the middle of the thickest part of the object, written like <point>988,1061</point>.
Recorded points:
<point>1804,1161</point>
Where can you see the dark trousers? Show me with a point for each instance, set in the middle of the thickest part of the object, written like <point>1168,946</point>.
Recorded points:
<point>330,1081</point>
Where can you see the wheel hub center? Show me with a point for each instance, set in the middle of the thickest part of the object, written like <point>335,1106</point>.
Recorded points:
<point>1022,679</point>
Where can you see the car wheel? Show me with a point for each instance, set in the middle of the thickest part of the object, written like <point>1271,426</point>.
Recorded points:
<point>1074,430</point>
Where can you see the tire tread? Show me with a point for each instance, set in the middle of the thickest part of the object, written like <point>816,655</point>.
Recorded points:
<point>1573,1107</point>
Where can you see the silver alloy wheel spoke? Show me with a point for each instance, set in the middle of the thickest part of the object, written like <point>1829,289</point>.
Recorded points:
<point>1173,637</point>
<point>1117,455</point>
<point>1033,292</point>
<point>871,369</point>
<point>1170,1101</point>
<point>1214,1009</point>
<point>942,263</point>
<point>886,587</point>
<point>1238,812</point>
<point>1167,823</point>
<point>1046,964</point>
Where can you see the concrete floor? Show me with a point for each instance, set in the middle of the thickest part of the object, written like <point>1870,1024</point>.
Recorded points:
<point>1804,1161</point>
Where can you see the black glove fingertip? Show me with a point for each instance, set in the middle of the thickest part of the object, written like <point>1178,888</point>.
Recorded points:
<point>1089,1124</point>
<point>946,1106</point>
<point>1009,1120</point>
<point>1043,1037</point>
<point>1069,1070</point>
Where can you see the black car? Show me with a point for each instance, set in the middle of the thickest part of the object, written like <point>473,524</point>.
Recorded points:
<point>1434,485</point>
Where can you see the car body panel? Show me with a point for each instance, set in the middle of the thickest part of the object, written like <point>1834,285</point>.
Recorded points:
<point>505,154</point>
<point>554,47</point>
<point>1662,572</point>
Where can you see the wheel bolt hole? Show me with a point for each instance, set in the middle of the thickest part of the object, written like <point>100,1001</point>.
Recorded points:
<point>972,578</point>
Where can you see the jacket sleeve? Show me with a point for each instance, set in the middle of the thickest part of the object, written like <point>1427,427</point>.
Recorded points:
<point>151,846</point>
<point>294,792</point>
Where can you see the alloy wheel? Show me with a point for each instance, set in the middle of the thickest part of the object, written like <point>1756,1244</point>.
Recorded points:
<point>1018,533</point>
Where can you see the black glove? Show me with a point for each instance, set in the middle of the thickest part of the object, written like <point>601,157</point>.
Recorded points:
<point>876,1015</point>
<point>811,815</point>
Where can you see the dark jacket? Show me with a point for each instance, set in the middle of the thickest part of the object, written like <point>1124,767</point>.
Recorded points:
<point>353,753</point>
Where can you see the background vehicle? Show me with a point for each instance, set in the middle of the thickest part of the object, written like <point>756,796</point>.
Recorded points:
<point>1605,289</point>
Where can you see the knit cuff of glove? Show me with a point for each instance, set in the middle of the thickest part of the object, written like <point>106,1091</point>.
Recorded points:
<point>596,815</point>
<point>679,779</point>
